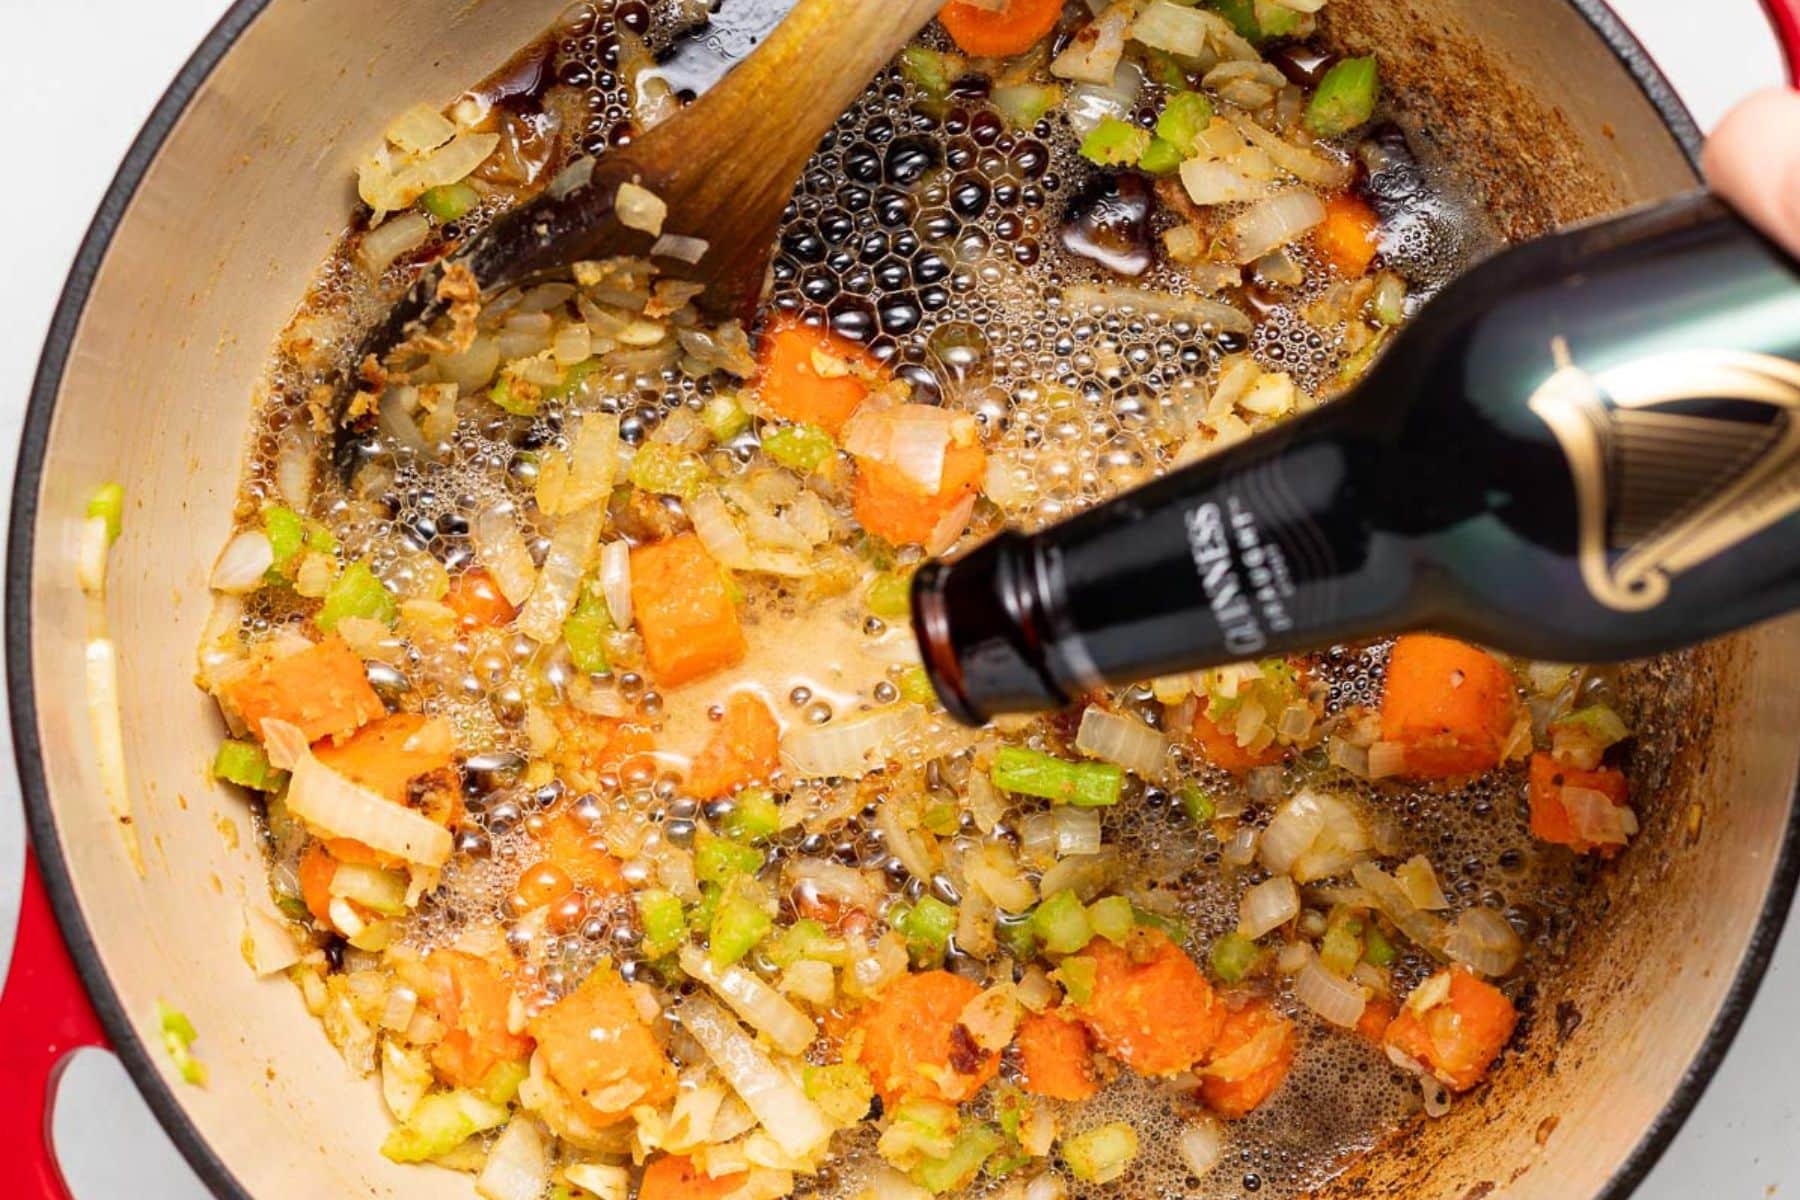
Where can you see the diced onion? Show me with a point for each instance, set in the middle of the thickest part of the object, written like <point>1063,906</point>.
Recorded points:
<point>1240,849</point>
<point>419,129</point>
<point>1273,223</point>
<point>1340,845</point>
<point>1202,1146</point>
<point>503,551</point>
<point>992,1017</point>
<point>1481,940</point>
<point>1389,758</point>
<point>846,748</point>
<point>830,880</point>
<point>1077,830</point>
<point>394,417</point>
<point>517,1166</point>
<point>950,526</point>
<point>1332,997</point>
<point>1595,818</point>
<point>91,554</point>
<point>986,804</point>
<point>244,562</point>
<point>371,887</point>
<point>389,240</point>
<point>917,448</point>
<point>640,208</point>
<point>788,1029</point>
<point>1094,53</point>
<point>1115,297</point>
<point>338,808</point>
<point>1435,1095</point>
<point>1424,930</point>
<point>689,250</point>
<point>718,531</point>
<point>992,869</point>
<point>917,850</point>
<point>593,461</point>
<point>268,944</point>
<point>600,1180</point>
<point>1268,905</point>
<point>795,1123</point>
<point>571,552</point>
<point>109,732</point>
<point>1124,741</point>
<point>615,581</point>
<point>1176,28</point>
<point>1090,103</point>
<point>1290,832</point>
<point>1419,883</point>
<point>1087,875</point>
<point>1302,164</point>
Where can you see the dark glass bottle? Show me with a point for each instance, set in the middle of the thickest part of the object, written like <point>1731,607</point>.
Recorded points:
<point>1585,449</point>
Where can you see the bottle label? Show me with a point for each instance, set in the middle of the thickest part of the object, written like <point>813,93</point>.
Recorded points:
<point>1676,459</point>
<point>1242,567</point>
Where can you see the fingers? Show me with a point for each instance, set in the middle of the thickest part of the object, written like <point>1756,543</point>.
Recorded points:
<point>1753,160</point>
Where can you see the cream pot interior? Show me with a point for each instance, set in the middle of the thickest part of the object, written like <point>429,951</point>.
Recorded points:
<point>224,211</point>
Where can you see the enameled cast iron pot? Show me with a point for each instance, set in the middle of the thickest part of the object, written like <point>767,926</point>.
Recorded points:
<point>221,212</point>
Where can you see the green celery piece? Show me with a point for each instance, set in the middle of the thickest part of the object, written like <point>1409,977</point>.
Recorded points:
<point>942,818</point>
<point>1241,14</point>
<point>1160,157</point>
<point>441,1122</point>
<point>667,471</point>
<point>357,593</point>
<point>1378,948</point>
<point>1024,105</point>
<point>1184,118</point>
<point>1111,918</point>
<point>802,448</point>
<point>178,1036</point>
<point>807,938</point>
<point>754,816</point>
<point>736,928</point>
<point>1199,806</point>
<point>503,395</point>
<point>246,764</point>
<point>1033,773</point>
<point>931,71</point>
<point>108,503</point>
<point>502,1081</point>
<point>1163,68</point>
<point>586,630</point>
<point>720,860</point>
<point>1011,1107</point>
<point>1595,722</point>
<point>925,1127</point>
<point>889,597</point>
<point>926,926</point>
<point>1114,143</point>
<point>1173,929</point>
<point>1233,957</point>
<point>450,201</point>
<point>974,1145</point>
<point>843,1091</point>
<point>319,538</point>
<point>1017,936</point>
<point>724,418</point>
<point>286,533</point>
<point>1077,974</point>
<point>1342,947</point>
<point>1276,20</point>
<point>1101,1154</point>
<point>664,926</point>
<point>572,380</point>
<point>1061,923</point>
<point>915,687</point>
<point>1345,99</point>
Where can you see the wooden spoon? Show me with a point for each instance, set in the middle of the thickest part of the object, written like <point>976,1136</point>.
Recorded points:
<point>724,165</point>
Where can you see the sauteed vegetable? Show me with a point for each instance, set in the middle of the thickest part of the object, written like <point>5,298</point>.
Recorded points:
<point>613,828</point>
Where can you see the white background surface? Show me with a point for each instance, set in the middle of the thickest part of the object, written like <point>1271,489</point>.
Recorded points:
<point>77,78</point>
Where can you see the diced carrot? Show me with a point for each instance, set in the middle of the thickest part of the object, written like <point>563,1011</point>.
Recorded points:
<point>1252,1056</point>
<point>684,611</point>
<point>472,1000</point>
<point>1550,816</point>
<point>1377,1015</point>
<point>1151,1008</point>
<point>813,375</point>
<point>890,505</point>
<point>913,1045</point>
<point>317,867</point>
<point>386,755</point>
<point>581,854</point>
<point>1014,27</point>
<point>598,1048</point>
<point>1055,1058</point>
<point>1220,746</point>
<point>589,746</point>
<point>1350,237</point>
<point>478,602</point>
<point>321,690</point>
<point>674,1177</point>
<point>745,748</point>
<point>1456,1030</point>
<point>1449,704</point>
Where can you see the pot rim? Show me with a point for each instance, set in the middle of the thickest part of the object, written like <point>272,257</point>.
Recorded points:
<point>22,703</point>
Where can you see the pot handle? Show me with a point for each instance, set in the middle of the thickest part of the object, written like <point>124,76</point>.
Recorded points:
<point>1785,16</point>
<point>44,1015</point>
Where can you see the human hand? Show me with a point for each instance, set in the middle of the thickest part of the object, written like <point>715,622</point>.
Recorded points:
<point>1753,161</point>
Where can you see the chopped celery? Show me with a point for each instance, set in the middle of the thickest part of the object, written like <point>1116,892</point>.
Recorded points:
<point>572,380</point>
<point>286,533</point>
<point>942,818</point>
<point>1175,930</point>
<point>1025,104</point>
<point>1160,157</point>
<point>108,503</point>
<point>754,816</point>
<point>843,1091</point>
<point>319,538</point>
<point>1342,947</point>
<point>802,448</point>
<point>1011,1108</point>
<point>1345,99</point>
<point>245,764</point>
<point>1184,118</point>
<point>178,1036</point>
<point>659,914</point>
<point>807,938</point>
<point>521,400</point>
<point>926,925</point>
<point>1101,1154</point>
<point>1077,973</point>
<point>357,593</point>
<point>1594,723</point>
<point>1378,948</point>
<point>1062,924</point>
<point>1163,68</point>
<point>1032,773</point>
<point>439,1124</point>
<point>667,471</point>
<point>1389,302</point>
<point>920,1127</point>
<point>1277,20</point>
<point>720,860</point>
<point>502,1081</point>
<point>736,927</point>
<point>1234,956</point>
<point>701,915</point>
<point>450,201</point>
<point>889,597</point>
<point>1017,936</point>
<point>1111,917</point>
<point>958,1168</point>
<point>915,686</point>
<point>586,630</point>
<point>1199,806</point>
<point>1114,143</point>
<point>1242,15</point>
<point>724,418</point>
<point>931,71</point>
